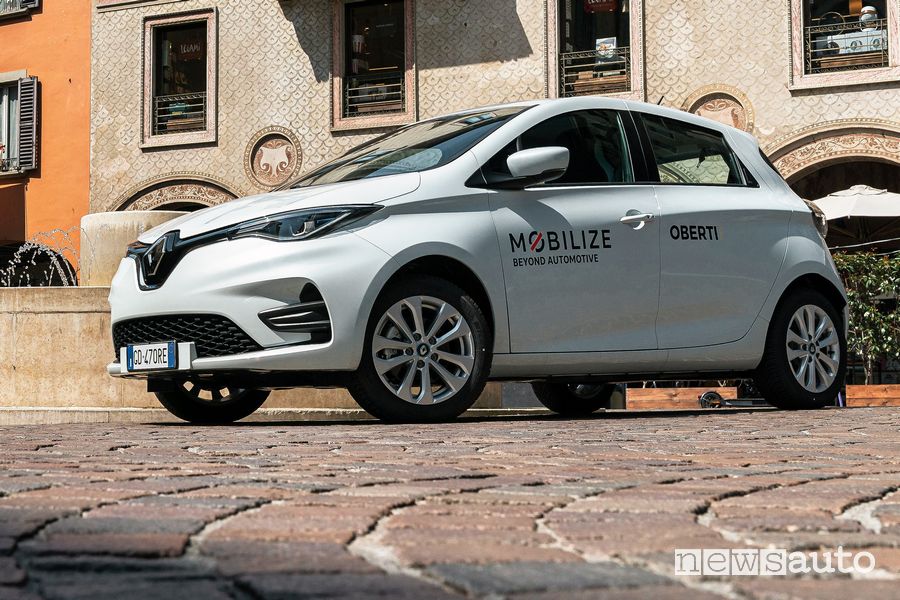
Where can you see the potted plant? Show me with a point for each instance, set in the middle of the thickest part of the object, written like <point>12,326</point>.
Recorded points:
<point>872,282</point>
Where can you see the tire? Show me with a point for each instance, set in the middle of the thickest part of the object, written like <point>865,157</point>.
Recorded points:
<point>574,400</point>
<point>205,404</point>
<point>453,351</point>
<point>781,376</point>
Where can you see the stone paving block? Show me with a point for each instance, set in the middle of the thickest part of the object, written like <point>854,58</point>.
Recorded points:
<point>117,588</point>
<point>16,593</point>
<point>656,592</point>
<point>122,544</point>
<point>239,557</point>
<point>517,577</point>
<point>362,586</point>
<point>122,525</point>
<point>822,589</point>
<point>10,572</point>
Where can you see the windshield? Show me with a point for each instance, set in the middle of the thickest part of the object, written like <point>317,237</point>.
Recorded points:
<point>415,148</point>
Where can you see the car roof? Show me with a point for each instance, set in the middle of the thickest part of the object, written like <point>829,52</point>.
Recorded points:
<point>580,102</point>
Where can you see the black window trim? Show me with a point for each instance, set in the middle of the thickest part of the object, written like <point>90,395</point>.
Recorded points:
<point>653,171</point>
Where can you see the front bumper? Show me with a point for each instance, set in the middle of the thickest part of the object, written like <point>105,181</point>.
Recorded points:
<point>239,279</point>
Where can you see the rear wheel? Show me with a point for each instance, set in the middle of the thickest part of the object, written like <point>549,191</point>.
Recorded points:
<point>210,404</point>
<point>427,353</point>
<point>806,354</point>
<point>576,399</point>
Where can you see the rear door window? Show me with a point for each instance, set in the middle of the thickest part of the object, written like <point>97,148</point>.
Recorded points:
<point>686,154</point>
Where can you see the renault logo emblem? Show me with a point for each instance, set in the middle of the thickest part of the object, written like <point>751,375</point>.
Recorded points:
<point>154,257</point>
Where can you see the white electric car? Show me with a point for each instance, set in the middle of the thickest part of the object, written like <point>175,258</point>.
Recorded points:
<point>570,243</point>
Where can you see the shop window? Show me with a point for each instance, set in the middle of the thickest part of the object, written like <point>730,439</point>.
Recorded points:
<point>844,35</point>
<point>18,125</point>
<point>690,155</point>
<point>373,63</point>
<point>594,47</point>
<point>179,80</point>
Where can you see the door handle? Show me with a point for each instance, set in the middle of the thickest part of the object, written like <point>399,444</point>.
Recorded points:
<point>636,219</point>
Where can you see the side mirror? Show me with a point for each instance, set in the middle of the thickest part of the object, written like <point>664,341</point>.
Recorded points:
<point>532,166</point>
<point>537,165</point>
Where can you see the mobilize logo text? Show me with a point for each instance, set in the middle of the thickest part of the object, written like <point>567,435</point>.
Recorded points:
<point>730,562</point>
<point>535,243</point>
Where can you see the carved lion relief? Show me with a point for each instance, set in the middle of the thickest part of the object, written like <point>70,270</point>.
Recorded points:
<point>724,104</point>
<point>272,157</point>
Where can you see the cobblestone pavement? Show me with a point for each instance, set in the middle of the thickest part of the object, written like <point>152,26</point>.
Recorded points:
<point>519,508</point>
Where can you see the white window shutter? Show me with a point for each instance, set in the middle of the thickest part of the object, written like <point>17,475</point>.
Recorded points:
<point>28,123</point>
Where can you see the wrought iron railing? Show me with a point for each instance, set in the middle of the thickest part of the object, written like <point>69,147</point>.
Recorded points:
<point>10,6</point>
<point>179,113</point>
<point>374,94</point>
<point>9,164</point>
<point>595,72</point>
<point>846,46</point>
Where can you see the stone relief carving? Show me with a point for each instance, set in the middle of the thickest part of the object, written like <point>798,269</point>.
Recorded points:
<point>176,193</point>
<point>838,145</point>
<point>722,103</point>
<point>273,157</point>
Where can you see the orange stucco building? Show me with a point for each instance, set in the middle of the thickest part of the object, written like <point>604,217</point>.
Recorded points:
<point>44,117</point>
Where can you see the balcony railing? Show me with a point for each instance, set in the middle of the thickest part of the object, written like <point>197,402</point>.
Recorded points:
<point>846,46</point>
<point>374,94</point>
<point>179,113</point>
<point>595,72</point>
<point>10,6</point>
<point>9,165</point>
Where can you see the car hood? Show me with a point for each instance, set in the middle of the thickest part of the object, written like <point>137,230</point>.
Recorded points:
<point>363,191</point>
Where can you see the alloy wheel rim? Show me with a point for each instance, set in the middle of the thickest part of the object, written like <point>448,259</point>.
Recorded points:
<point>207,393</point>
<point>813,348</point>
<point>423,350</point>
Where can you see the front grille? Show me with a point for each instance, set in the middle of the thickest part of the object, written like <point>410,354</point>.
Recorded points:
<point>213,335</point>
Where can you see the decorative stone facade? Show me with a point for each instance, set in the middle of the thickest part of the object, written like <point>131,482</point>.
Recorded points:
<point>275,114</point>
<point>274,71</point>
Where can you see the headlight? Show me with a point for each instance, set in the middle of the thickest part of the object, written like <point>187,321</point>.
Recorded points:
<point>818,218</point>
<point>302,224</point>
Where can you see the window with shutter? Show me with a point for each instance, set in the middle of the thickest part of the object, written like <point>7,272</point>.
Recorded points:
<point>27,123</point>
<point>16,8</point>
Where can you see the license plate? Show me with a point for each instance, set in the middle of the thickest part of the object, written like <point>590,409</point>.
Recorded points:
<point>152,357</point>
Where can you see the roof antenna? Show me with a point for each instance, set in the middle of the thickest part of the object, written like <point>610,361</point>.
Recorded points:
<point>661,98</point>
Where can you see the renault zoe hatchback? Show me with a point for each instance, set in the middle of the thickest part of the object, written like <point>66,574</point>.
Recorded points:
<point>569,243</point>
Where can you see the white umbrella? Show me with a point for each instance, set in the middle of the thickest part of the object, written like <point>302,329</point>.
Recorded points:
<point>860,201</point>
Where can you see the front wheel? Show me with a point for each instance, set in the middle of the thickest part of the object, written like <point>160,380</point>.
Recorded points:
<point>427,353</point>
<point>576,399</point>
<point>805,357</point>
<point>211,404</point>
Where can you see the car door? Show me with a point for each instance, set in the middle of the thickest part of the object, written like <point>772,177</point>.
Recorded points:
<point>720,235</point>
<point>577,278</point>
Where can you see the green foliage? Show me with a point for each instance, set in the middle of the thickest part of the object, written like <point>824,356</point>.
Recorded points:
<point>872,283</point>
